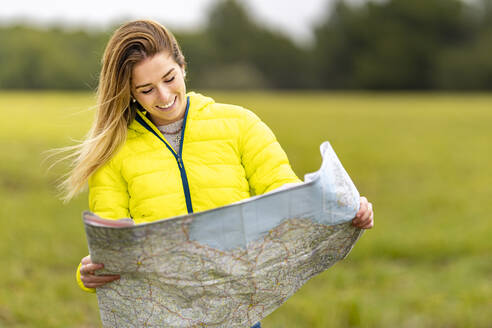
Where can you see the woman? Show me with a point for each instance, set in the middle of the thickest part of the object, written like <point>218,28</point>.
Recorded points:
<point>155,151</point>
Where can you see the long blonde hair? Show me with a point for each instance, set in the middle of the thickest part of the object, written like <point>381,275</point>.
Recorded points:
<point>129,44</point>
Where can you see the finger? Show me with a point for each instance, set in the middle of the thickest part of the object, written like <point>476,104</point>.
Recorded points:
<point>357,223</point>
<point>369,224</point>
<point>91,285</point>
<point>90,279</point>
<point>362,208</point>
<point>360,224</point>
<point>364,216</point>
<point>90,268</point>
<point>86,260</point>
<point>367,214</point>
<point>96,284</point>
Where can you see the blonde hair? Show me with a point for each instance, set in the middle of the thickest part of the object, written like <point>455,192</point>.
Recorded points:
<point>129,44</point>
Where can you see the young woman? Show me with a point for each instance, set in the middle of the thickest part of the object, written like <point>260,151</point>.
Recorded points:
<point>156,151</point>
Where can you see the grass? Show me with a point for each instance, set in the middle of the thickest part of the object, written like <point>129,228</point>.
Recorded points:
<point>422,159</point>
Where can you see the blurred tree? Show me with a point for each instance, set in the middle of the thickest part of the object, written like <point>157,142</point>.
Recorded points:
<point>199,53</point>
<point>238,40</point>
<point>33,58</point>
<point>486,7</point>
<point>392,44</point>
<point>468,66</point>
<point>387,45</point>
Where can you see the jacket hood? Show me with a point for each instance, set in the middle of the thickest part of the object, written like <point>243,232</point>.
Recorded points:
<point>198,101</point>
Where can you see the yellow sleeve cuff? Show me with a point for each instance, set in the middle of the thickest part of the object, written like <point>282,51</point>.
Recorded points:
<point>80,283</point>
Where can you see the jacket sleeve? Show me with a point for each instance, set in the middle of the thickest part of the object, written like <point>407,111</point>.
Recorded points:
<point>80,283</point>
<point>108,198</point>
<point>265,162</point>
<point>108,193</point>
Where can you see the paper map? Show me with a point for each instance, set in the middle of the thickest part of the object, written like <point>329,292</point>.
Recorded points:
<point>230,266</point>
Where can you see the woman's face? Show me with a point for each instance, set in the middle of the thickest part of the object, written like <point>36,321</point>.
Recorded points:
<point>158,85</point>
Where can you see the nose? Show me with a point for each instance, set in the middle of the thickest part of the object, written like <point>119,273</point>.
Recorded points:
<point>164,94</point>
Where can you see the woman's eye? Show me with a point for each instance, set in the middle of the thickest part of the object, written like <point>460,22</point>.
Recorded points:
<point>147,91</point>
<point>170,80</point>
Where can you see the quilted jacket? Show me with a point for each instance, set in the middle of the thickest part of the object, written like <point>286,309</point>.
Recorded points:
<point>227,154</point>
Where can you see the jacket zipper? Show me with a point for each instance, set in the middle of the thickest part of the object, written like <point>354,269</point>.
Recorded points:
<point>178,156</point>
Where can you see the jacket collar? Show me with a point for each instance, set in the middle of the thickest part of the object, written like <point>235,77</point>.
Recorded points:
<point>197,102</point>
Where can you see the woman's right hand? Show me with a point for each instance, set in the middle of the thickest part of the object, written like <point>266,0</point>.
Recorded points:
<point>89,279</point>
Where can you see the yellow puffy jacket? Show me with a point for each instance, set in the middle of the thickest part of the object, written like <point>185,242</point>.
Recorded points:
<point>227,154</point>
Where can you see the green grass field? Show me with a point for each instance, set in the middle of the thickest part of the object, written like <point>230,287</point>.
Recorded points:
<point>424,160</point>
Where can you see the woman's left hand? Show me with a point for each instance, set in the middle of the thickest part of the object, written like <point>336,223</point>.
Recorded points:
<point>364,219</point>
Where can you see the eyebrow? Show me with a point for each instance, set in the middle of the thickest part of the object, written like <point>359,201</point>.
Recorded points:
<point>163,77</point>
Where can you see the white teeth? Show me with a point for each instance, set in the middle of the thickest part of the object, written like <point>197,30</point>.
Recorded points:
<point>167,105</point>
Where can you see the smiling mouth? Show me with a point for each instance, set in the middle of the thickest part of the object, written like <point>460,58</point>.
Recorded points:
<point>167,106</point>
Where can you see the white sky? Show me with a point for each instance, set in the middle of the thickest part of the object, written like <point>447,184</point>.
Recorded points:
<point>293,17</point>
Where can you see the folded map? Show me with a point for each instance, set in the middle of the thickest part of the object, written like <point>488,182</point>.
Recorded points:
<point>230,266</point>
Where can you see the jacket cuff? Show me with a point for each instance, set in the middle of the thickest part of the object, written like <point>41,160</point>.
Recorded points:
<point>80,283</point>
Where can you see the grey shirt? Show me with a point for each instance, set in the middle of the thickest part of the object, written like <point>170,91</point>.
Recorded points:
<point>172,133</point>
